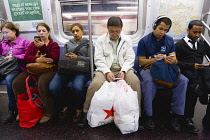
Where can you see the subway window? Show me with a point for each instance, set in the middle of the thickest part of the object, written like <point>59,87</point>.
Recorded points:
<point>101,10</point>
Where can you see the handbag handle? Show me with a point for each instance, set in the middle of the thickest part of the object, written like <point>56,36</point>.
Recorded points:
<point>27,86</point>
<point>37,96</point>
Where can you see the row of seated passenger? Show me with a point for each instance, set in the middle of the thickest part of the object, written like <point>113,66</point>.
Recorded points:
<point>135,67</point>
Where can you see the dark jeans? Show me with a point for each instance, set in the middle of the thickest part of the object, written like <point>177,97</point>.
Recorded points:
<point>79,81</point>
<point>9,80</point>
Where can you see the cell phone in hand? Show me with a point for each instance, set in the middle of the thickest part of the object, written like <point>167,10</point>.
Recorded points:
<point>115,79</point>
<point>37,38</point>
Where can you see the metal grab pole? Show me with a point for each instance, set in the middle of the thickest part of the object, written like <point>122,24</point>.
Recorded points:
<point>90,38</point>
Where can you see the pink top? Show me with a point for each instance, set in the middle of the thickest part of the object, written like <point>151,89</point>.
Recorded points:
<point>19,48</point>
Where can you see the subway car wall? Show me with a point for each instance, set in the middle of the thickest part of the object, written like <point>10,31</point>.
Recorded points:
<point>137,16</point>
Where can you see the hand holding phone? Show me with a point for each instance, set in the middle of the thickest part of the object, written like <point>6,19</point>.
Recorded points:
<point>206,65</point>
<point>116,79</point>
<point>38,38</point>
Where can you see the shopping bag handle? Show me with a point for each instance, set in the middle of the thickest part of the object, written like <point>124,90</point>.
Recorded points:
<point>37,96</point>
<point>27,86</point>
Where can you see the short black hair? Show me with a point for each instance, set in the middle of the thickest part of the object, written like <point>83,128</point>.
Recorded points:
<point>165,20</point>
<point>194,22</point>
<point>114,21</point>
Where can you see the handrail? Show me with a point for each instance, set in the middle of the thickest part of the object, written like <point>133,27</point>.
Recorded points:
<point>204,16</point>
<point>205,39</point>
<point>1,19</point>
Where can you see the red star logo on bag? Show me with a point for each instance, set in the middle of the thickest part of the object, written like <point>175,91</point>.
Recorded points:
<point>109,113</point>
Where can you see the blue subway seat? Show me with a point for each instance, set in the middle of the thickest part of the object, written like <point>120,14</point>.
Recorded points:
<point>3,82</point>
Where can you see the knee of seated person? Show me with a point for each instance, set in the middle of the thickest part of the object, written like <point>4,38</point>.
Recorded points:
<point>77,88</point>
<point>54,91</point>
<point>9,79</point>
<point>184,79</point>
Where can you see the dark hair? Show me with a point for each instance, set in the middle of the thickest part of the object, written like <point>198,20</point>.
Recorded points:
<point>163,19</point>
<point>194,22</point>
<point>115,21</point>
<point>12,27</point>
<point>46,26</point>
<point>76,24</point>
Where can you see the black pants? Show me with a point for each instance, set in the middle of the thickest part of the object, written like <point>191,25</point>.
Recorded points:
<point>208,111</point>
<point>191,95</point>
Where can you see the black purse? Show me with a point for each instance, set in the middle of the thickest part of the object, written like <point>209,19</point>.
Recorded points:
<point>68,66</point>
<point>9,66</point>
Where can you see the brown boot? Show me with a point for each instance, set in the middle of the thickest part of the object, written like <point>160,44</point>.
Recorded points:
<point>77,116</point>
<point>63,113</point>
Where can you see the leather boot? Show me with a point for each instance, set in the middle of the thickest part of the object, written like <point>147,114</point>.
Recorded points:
<point>12,113</point>
<point>83,122</point>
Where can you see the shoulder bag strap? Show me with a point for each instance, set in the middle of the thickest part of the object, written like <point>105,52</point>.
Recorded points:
<point>79,47</point>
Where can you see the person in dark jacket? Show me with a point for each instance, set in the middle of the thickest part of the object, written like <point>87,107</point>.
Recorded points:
<point>50,52</point>
<point>190,52</point>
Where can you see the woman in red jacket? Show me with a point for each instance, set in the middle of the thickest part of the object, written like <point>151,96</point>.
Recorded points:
<point>49,53</point>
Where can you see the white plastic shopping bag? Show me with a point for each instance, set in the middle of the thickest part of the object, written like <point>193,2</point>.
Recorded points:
<point>101,107</point>
<point>126,115</point>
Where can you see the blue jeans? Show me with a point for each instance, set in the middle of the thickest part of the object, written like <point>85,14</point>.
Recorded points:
<point>59,82</point>
<point>9,79</point>
<point>149,87</point>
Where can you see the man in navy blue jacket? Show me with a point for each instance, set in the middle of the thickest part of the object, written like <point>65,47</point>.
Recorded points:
<point>157,46</point>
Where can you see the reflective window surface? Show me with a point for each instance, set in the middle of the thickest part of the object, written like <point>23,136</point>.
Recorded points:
<point>101,10</point>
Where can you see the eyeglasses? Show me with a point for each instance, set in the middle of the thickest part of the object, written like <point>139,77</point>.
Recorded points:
<point>114,32</point>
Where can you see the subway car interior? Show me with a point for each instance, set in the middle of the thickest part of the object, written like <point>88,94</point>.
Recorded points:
<point>138,17</point>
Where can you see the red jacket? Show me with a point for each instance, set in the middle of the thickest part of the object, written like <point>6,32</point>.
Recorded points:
<point>52,50</point>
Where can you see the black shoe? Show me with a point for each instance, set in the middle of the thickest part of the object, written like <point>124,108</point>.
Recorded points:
<point>83,122</point>
<point>204,99</point>
<point>141,127</point>
<point>149,123</point>
<point>11,116</point>
<point>190,126</point>
<point>174,123</point>
<point>206,122</point>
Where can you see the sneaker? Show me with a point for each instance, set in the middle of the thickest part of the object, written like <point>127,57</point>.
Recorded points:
<point>83,121</point>
<point>44,119</point>
<point>149,123</point>
<point>190,126</point>
<point>77,116</point>
<point>174,123</point>
<point>11,115</point>
<point>141,127</point>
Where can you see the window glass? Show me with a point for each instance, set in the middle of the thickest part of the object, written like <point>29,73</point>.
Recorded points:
<point>77,11</point>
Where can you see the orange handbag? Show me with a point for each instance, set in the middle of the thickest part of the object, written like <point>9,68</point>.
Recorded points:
<point>39,68</point>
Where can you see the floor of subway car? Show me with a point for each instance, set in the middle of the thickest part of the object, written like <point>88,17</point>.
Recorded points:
<point>57,129</point>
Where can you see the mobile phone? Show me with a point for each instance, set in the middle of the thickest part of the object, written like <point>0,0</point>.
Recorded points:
<point>171,55</point>
<point>37,38</point>
<point>117,79</point>
<point>206,65</point>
